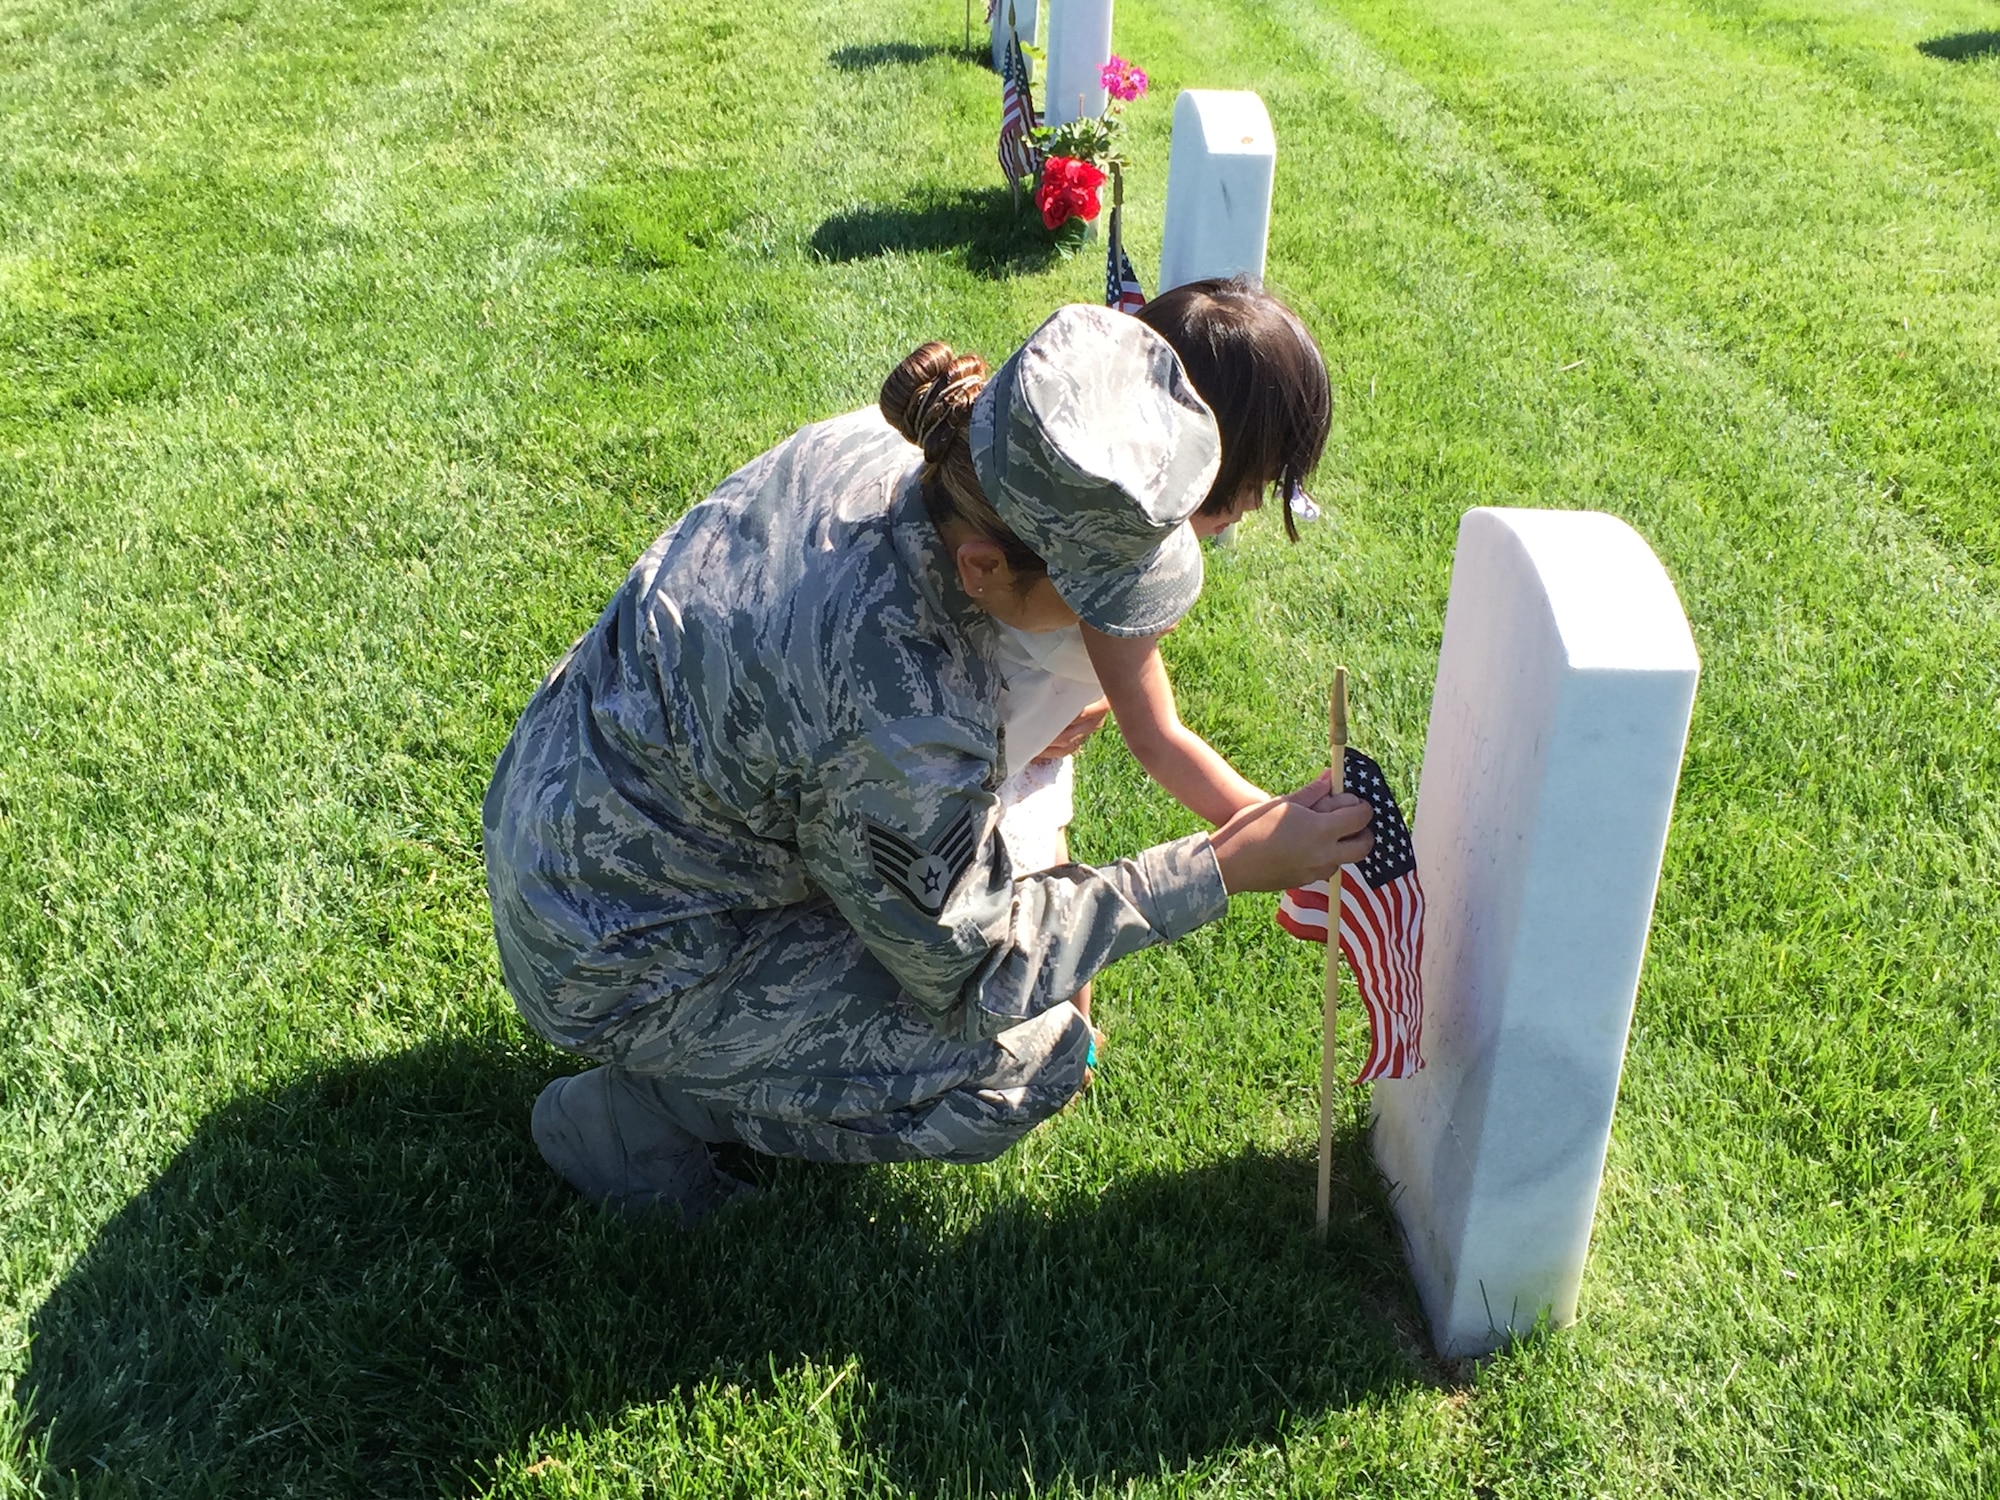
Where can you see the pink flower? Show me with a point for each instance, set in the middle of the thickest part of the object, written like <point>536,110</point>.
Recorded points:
<point>1069,190</point>
<point>1121,79</point>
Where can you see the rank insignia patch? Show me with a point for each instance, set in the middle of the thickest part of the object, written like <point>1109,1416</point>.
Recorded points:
<point>925,875</point>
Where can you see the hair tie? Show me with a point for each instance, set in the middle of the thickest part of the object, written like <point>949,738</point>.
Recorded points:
<point>940,403</point>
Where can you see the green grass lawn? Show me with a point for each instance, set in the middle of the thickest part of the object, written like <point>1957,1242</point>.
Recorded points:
<point>349,352</point>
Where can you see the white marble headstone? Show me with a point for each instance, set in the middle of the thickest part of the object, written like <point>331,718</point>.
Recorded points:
<point>1079,47</point>
<point>1027,24</point>
<point>1218,216</point>
<point>1564,687</point>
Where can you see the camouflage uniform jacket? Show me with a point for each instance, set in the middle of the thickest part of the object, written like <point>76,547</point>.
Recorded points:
<point>789,699</point>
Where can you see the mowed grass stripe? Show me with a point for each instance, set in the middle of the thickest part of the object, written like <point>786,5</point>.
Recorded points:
<point>1851,272</point>
<point>1931,67</point>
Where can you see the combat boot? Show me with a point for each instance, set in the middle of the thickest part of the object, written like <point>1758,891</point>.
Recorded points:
<point>611,1141</point>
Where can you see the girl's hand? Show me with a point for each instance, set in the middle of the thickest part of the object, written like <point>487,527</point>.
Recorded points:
<point>1290,841</point>
<point>1081,728</point>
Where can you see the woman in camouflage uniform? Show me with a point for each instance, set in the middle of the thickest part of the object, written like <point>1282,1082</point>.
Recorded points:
<point>742,845</point>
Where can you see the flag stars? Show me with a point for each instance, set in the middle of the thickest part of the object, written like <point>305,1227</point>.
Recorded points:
<point>1392,856</point>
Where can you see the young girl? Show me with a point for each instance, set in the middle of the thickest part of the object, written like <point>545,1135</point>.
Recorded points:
<point>1259,371</point>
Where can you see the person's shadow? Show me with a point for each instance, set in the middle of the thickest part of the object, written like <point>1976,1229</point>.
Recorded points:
<point>368,1282</point>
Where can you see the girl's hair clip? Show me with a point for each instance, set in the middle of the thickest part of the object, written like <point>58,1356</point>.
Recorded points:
<point>1300,503</point>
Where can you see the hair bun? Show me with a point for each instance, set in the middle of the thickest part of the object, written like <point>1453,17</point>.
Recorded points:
<point>928,397</point>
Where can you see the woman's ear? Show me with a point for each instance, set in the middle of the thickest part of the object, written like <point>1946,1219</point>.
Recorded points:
<point>982,566</point>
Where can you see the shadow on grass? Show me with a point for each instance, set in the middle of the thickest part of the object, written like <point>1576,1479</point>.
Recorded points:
<point>367,1282</point>
<point>1962,47</point>
<point>871,55</point>
<point>995,238</point>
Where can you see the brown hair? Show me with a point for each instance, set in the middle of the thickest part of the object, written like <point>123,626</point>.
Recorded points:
<point>928,399</point>
<point>1260,372</point>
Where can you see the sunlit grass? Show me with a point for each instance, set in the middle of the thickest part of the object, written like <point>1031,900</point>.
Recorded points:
<point>349,353</point>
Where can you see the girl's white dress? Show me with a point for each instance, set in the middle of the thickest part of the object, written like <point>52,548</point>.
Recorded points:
<point>1046,681</point>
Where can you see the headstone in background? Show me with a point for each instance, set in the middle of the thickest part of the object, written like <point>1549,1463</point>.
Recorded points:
<point>1079,47</point>
<point>1218,216</point>
<point>1564,687</point>
<point>1027,24</point>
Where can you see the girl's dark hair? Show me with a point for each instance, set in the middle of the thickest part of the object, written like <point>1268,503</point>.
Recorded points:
<point>928,399</point>
<point>1260,372</point>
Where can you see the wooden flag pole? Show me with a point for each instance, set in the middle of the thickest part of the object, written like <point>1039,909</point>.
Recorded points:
<point>1117,222</point>
<point>1339,738</point>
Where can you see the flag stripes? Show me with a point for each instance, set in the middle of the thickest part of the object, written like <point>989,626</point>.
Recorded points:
<point>1019,157</point>
<point>1121,282</point>
<point>1302,912</point>
<point>1380,930</point>
<point>1382,939</point>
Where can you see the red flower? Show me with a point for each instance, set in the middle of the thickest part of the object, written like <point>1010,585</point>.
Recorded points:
<point>1069,190</point>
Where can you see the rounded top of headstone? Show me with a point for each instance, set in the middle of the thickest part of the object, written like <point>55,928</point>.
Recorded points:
<point>1615,608</point>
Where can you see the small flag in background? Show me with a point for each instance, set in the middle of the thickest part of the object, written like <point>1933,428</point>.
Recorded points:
<point>1018,156</point>
<point>1121,282</point>
<point>1381,928</point>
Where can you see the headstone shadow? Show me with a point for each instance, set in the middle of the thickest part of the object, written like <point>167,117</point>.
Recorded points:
<point>1964,46</point>
<point>864,57</point>
<point>995,238</point>
<point>367,1282</point>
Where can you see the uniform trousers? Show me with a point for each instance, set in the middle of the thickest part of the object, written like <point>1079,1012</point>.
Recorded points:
<point>779,1030</point>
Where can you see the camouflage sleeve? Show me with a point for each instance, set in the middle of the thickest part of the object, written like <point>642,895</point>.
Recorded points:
<point>901,832</point>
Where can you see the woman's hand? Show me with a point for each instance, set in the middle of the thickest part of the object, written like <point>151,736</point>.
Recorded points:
<point>1081,728</point>
<point>1290,841</point>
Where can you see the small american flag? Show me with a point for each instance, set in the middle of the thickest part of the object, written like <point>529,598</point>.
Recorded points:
<point>1121,282</point>
<point>1018,156</point>
<point>1381,928</point>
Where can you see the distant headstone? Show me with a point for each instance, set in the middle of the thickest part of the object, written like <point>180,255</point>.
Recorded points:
<point>1564,687</point>
<point>1027,24</point>
<point>1218,216</point>
<point>1079,47</point>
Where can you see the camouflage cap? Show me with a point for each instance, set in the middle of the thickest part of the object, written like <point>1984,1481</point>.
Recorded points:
<point>1094,448</point>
